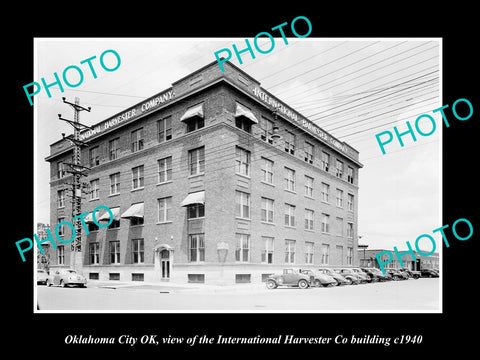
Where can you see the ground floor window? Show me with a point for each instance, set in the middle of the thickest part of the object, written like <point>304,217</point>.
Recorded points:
<point>196,278</point>
<point>138,251</point>
<point>137,276</point>
<point>61,255</point>
<point>196,248</point>
<point>242,278</point>
<point>267,252</point>
<point>289,251</point>
<point>93,276</point>
<point>243,248</point>
<point>94,253</point>
<point>114,252</point>
<point>114,276</point>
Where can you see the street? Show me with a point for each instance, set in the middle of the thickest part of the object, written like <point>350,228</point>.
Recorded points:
<point>394,296</point>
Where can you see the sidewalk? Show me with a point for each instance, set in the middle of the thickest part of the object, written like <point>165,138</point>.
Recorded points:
<point>168,287</point>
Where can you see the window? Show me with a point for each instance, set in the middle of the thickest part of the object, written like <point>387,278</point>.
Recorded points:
<point>266,130</point>
<point>92,226</point>
<point>339,169</point>
<point>115,223</point>
<point>350,202</point>
<point>195,211</point>
<point>309,152</point>
<point>138,251</point>
<point>267,170</point>
<point>113,276</point>
<point>350,175</point>
<point>113,149</point>
<point>340,253</point>
<point>196,161</point>
<point>325,161</point>
<point>289,142</point>
<point>61,198</point>
<point>267,210</point>
<point>309,216</point>
<point>243,123</point>
<point>242,250</point>
<point>243,278</point>
<point>309,252</point>
<point>340,198</point>
<point>165,169</point>
<point>60,170</point>
<point>164,209</point>
<point>289,215</point>
<point>242,204</point>
<point>138,276</point>
<point>164,128</point>
<point>308,186</point>
<point>195,123</point>
<point>267,252</point>
<point>242,161</point>
<point>94,250</point>
<point>134,221</point>
<point>289,251</point>
<point>115,184</point>
<point>349,256</point>
<point>95,189</point>
<point>61,255</point>
<point>325,223</point>
<point>339,226</point>
<point>350,230</point>
<point>325,254</point>
<point>61,228</point>
<point>94,156</point>
<point>325,191</point>
<point>196,278</point>
<point>137,140</point>
<point>137,177</point>
<point>289,179</point>
<point>114,252</point>
<point>196,248</point>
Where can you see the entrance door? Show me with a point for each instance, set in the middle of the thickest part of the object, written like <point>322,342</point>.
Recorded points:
<point>165,263</point>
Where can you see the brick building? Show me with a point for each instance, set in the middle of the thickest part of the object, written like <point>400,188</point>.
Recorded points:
<point>213,180</point>
<point>366,258</point>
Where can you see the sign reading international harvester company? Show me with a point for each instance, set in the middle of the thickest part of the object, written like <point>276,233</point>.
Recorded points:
<point>136,111</point>
<point>310,126</point>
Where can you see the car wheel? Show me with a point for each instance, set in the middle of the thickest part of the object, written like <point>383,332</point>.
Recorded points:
<point>48,283</point>
<point>318,283</point>
<point>271,284</point>
<point>303,284</point>
<point>349,281</point>
<point>62,284</point>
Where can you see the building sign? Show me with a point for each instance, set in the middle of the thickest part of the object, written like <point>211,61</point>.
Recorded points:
<point>135,112</point>
<point>304,123</point>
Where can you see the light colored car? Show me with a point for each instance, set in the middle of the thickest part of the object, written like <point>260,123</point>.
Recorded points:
<point>362,274</point>
<point>340,279</point>
<point>289,277</point>
<point>42,276</point>
<point>66,277</point>
<point>319,278</point>
<point>349,274</point>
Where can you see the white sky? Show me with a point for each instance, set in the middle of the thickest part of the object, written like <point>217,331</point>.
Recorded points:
<point>352,88</point>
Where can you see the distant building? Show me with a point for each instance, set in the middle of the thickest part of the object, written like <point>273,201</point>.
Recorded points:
<point>367,258</point>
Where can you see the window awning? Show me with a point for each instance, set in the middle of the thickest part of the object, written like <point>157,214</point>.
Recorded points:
<point>196,110</point>
<point>106,215</point>
<point>89,218</point>
<point>136,210</point>
<point>194,198</point>
<point>244,111</point>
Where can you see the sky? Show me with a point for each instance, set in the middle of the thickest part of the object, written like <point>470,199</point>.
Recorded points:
<point>352,88</point>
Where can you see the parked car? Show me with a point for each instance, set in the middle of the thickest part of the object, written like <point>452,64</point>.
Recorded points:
<point>42,276</point>
<point>397,275</point>
<point>411,273</point>
<point>376,274</point>
<point>340,279</point>
<point>289,277</point>
<point>349,274</point>
<point>429,273</point>
<point>363,275</point>
<point>66,277</point>
<point>318,278</point>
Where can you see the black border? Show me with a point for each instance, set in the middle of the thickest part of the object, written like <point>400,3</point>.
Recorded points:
<point>440,331</point>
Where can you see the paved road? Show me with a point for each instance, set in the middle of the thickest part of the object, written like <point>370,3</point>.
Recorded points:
<point>408,295</point>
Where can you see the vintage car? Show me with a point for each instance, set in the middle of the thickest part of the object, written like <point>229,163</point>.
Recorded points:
<point>375,274</point>
<point>318,278</point>
<point>428,273</point>
<point>363,275</point>
<point>42,276</point>
<point>289,277</point>
<point>340,279</point>
<point>349,274</point>
<point>66,277</point>
<point>411,273</point>
<point>396,275</point>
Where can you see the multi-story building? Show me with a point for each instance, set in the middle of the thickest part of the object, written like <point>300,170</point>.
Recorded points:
<point>213,180</point>
<point>367,258</point>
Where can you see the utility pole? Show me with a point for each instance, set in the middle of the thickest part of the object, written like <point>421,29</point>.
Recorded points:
<point>77,170</point>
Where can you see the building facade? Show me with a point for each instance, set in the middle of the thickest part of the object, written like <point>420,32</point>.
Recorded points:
<point>367,258</point>
<point>214,181</point>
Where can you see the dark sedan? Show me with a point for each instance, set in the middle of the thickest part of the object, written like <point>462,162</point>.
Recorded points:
<point>429,273</point>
